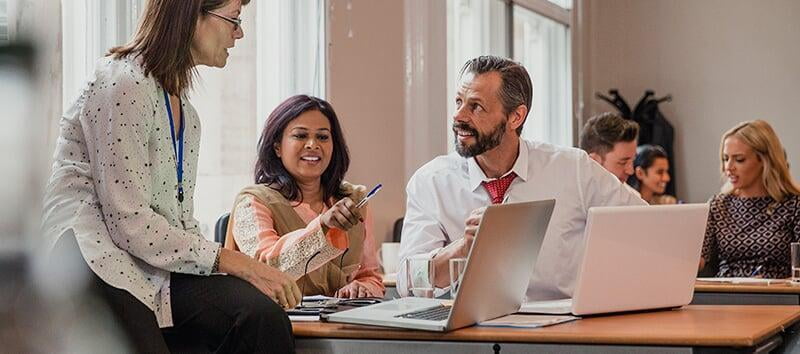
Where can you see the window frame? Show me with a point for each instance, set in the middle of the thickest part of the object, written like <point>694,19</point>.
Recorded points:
<point>568,17</point>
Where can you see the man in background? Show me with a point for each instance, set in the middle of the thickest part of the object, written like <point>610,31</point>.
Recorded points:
<point>611,141</point>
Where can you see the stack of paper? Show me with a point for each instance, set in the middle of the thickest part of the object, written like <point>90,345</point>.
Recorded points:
<point>527,321</point>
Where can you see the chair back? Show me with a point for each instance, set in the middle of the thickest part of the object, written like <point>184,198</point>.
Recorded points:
<point>221,228</point>
<point>397,231</point>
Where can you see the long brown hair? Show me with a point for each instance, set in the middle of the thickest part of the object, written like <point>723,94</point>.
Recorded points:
<point>760,136</point>
<point>164,40</point>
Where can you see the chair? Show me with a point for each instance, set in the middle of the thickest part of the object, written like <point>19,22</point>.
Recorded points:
<point>221,228</point>
<point>397,231</point>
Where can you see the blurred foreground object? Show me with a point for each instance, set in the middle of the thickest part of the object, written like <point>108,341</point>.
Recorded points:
<point>46,302</point>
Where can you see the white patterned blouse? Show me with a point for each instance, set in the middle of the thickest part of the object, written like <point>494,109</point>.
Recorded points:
<point>114,185</point>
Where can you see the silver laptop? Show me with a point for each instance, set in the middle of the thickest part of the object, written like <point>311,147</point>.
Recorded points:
<point>494,282</point>
<point>635,258</point>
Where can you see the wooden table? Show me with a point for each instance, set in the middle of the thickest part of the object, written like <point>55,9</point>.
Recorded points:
<point>692,328</point>
<point>714,293</point>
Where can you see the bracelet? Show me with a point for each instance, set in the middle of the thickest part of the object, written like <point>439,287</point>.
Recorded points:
<point>215,267</point>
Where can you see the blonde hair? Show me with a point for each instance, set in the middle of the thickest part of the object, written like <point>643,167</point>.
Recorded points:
<point>760,136</point>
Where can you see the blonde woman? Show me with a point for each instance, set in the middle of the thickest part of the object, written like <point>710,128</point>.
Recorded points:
<point>757,214</point>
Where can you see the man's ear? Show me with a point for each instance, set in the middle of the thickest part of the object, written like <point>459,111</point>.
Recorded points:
<point>595,156</point>
<point>517,117</point>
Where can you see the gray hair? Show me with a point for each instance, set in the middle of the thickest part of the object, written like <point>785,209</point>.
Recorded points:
<point>516,88</point>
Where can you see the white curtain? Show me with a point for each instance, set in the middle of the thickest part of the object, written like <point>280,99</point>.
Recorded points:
<point>543,47</point>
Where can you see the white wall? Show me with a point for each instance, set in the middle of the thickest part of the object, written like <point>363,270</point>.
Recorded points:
<point>724,61</point>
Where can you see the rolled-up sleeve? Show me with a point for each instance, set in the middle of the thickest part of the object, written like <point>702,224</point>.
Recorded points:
<point>423,235</point>
<point>118,131</point>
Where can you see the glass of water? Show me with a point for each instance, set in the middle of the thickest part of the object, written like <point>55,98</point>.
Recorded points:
<point>420,276</point>
<point>795,247</point>
<point>457,266</point>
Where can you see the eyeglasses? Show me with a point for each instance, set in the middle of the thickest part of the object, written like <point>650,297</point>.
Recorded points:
<point>237,22</point>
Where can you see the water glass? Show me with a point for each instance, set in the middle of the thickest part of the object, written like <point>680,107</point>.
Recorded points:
<point>420,276</point>
<point>795,247</point>
<point>457,266</point>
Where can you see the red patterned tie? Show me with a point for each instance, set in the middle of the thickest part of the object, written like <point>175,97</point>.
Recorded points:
<point>497,188</point>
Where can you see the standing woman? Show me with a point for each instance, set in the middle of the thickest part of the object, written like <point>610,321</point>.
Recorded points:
<point>757,215</point>
<point>122,192</point>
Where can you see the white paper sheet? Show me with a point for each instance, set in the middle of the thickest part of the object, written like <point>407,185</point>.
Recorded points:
<point>527,321</point>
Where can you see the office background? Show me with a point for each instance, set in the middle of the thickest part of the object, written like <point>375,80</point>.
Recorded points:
<point>387,66</point>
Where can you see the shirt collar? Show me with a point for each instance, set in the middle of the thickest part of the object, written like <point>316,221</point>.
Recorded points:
<point>520,167</point>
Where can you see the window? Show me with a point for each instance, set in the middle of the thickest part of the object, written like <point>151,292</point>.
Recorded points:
<point>281,54</point>
<point>535,33</point>
<point>90,28</point>
<point>4,32</point>
<point>474,28</point>
<point>542,46</point>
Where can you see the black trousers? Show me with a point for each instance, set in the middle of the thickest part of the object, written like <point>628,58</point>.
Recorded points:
<point>211,314</point>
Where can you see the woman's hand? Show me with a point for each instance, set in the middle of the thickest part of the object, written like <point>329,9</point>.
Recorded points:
<point>354,290</point>
<point>343,215</point>
<point>270,281</point>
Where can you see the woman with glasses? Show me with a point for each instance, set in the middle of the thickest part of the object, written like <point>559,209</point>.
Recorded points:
<point>301,216</point>
<point>753,221</point>
<point>121,193</point>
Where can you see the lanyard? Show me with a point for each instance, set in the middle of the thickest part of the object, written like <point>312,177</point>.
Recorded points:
<point>177,145</point>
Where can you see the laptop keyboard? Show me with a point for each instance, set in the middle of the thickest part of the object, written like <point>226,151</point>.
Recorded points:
<point>438,313</point>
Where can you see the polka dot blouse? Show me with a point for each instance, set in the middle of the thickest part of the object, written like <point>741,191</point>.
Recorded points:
<point>114,184</point>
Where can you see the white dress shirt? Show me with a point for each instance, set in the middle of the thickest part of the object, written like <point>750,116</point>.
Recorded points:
<point>443,192</point>
<point>114,185</point>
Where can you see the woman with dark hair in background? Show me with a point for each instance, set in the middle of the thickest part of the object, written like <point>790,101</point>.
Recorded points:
<point>301,216</point>
<point>651,174</point>
<point>757,215</point>
<point>122,188</point>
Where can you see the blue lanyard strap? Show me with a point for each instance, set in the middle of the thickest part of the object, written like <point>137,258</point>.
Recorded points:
<point>177,144</point>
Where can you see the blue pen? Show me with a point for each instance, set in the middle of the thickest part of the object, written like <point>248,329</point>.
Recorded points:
<point>369,195</point>
<point>755,271</point>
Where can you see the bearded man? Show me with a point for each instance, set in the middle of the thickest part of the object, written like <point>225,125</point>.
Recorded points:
<point>447,196</point>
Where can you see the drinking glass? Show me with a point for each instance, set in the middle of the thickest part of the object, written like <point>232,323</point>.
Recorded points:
<point>795,246</point>
<point>420,276</point>
<point>457,266</point>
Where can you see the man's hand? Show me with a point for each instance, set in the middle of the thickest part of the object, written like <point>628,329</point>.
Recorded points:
<point>343,215</point>
<point>457,249</point>
<point>470,229</point>
<point>270,281</point>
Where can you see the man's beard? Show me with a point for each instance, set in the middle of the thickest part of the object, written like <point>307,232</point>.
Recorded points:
<point>483,143</point>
